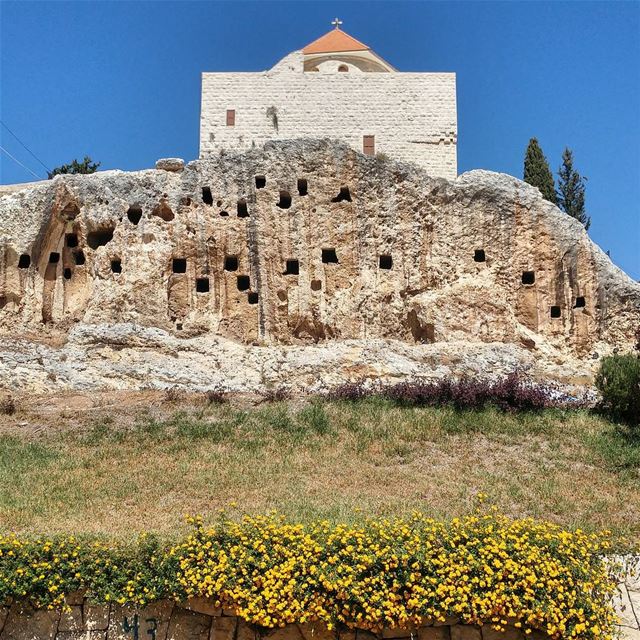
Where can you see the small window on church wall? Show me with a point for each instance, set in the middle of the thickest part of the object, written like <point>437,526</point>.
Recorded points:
<point>231,117</point>
<point>369,145</point>
<point>528,277</point>
<point>343,67</point>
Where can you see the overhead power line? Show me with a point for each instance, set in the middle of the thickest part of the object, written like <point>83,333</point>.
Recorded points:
<point>25,146</point>
<point>20,163</point>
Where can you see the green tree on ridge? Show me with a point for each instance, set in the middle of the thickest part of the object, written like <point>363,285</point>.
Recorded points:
<point>537,172</point>
<point>571,190</point>
<point>86,166</point>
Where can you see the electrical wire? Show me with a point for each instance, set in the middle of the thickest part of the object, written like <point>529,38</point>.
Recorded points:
<point>20,163</point>
<point>25,146</point>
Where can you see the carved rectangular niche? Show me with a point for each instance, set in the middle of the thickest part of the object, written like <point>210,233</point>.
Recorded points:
<point>292,268</point>
<point>202,285</point>
<point>179,265</point>
<point>329,256</point>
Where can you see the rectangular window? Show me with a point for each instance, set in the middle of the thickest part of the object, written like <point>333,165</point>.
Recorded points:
<point>369,145</point>
<point>231,117</point>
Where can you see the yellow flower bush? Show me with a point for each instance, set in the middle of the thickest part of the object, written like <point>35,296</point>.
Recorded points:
<point>482,569</point>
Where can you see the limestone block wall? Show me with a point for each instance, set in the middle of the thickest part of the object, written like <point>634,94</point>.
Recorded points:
<point>412,115</point>
<point>198,619</point>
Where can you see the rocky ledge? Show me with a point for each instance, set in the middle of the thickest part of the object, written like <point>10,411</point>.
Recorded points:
<point>302,263</point>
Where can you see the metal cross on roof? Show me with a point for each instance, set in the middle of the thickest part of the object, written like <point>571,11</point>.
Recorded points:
<point>336,23</point>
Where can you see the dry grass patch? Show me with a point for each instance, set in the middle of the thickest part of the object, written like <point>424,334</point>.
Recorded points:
<point>121,471</point>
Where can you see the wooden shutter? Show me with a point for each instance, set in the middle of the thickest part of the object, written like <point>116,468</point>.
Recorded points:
<point>369,145</point>
<point>231,117</point>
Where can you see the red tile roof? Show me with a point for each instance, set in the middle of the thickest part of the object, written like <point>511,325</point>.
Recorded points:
<point>335,40</point>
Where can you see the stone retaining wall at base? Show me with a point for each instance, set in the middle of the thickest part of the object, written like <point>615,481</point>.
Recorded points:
<point>198,619</point>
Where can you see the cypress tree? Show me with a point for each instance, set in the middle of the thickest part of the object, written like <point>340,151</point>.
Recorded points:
<point>571,190</point>
<point>537,172</point>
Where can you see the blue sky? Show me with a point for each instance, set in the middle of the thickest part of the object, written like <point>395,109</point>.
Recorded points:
<point>120,81</point>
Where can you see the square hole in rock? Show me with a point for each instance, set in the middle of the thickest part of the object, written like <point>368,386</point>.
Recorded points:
<point>292,268</point>
<point>54,257</point>
<point>329,256</point>
<point>78,257</point>
<point>479,256</point>
<point>243,283</point>
<point>67,274</point>
<point>243,211</point>
<point>24,261</point>
<point>285,200</point>
<point>252,297</point>
<point>116,265</point>
<point>72,240</point>
<point>202,285</point>
<point>179,265</point>
<point>555,312</point>
<point>207,198</point>
<point>231,263</point>
<point>302,187</point>
<point>528,277</point>
<point>580,302</point>
<point>386,262</point>
<point>261,182</point>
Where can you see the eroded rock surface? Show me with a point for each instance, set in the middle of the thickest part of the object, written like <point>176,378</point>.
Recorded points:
<point>302,263</point>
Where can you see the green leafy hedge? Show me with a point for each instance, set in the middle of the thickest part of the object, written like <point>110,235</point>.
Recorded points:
<point>484,568</point>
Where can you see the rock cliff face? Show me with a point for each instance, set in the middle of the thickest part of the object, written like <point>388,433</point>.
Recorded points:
<point>300,263</point>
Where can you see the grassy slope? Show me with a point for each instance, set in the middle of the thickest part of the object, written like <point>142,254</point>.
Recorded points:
<point>120,476</point>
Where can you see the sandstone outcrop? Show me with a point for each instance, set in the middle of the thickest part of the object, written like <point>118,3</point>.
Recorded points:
<point>301,263</point>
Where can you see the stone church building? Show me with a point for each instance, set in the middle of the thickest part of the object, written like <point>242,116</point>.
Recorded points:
<point>335,87</point>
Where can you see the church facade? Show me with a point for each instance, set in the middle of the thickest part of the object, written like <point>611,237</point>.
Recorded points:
<point>336,87</point>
